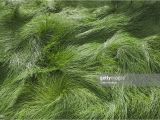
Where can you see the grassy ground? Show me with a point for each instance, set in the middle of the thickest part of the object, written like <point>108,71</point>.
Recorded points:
<point>51,53</point>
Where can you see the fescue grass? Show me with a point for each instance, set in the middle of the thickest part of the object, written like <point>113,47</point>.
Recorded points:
<point>52,53</point>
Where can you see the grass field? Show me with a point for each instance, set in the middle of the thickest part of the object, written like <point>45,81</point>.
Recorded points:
<point>52,52</point>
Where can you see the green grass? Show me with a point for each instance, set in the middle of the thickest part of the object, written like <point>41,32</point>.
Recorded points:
<point>52,53</point>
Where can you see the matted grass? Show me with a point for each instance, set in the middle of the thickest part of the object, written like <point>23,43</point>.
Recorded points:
<point>52,53</point>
